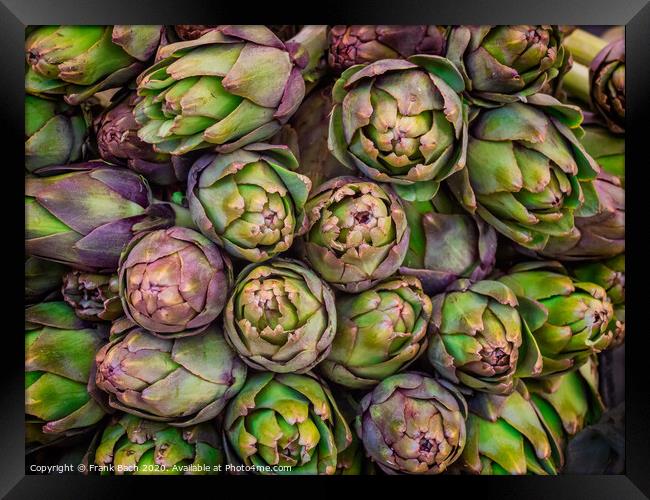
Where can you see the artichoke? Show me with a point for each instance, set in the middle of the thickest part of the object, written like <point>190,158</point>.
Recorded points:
<point>79,61</point>
<point>233,86</point>
<point>607,75</point>
<point>507,63</point>
<point>54,133</point>
<point>598,235</point>
<point>249,202</point>
<point>94,297</point>
<point>478,338</point>
<point>84,217</point>
<point>350,45</point>
<point>59,355</point>
<point>173,281</point>
<point>610,274</point>
<point>379,332</point>
<point>280,317</point>
<point>568,318</point>
<point>569,402</point>
<point>306,135</point>
<point>131,445</point>
<point>280,420</point>
<point>606,148</point>
<point>413,424</point>
<point>526,169</point>
<point>446,243</point>
<point>506,435</point>
<point>183,381</point>
<point>358,233</point>
<point>42,279</point>
<point>118,143</point>
<point>402,122</point>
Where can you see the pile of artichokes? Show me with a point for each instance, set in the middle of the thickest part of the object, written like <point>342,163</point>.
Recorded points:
<point>322,249</point>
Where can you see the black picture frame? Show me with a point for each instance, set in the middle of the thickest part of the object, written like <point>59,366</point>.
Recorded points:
<point>634,14</point>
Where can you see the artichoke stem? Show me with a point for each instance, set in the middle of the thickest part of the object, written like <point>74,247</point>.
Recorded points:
<point>576,82</point>
<point>313,40</point>
<point>584,46</point>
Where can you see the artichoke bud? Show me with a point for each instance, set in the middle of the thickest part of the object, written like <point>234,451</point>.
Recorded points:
<point>286,420</point>
<point>133,445</point>
<point>79,61</point>
<point>607,75</point>
<point>59,359</point>
<point>173,282</point>
<point>569,319</point>
<point>380,331</point>
<point>413,424</point>
<point>55,133</point>
<point>93,297</point>
<point>478,338</point>
<point>183,381</point>
<point>280,317</point>
<point>401,122</point>
<point>250,202</point>
<point>357,233</point>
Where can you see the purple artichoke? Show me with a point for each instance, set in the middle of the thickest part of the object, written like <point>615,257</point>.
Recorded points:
<point>350,45</point>
<point>84,217</point>
<point>118,141</point>
<point>413,424</point>
<point>183,381</point>
<point>173,281</point>
<point>93,297</point>
<point>607,74</point>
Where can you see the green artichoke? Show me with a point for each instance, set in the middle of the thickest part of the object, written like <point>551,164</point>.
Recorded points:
<point>568,318</point>
<point>59,355</point>
<point>446,243</point>
<point>526,171</point>
<point>507,63</point>
<point>413,424</point>
<point>599,235</point>
<point>233,86</point>
<point>173,282</point>
<point>42,279</point>
<point>606,148</point>
<point>607,75</point>
<point>402,122</point>
<point>79,61</point>
<point>610,274</point>
<point>478,338</point>
<point>379,332</point>
<point>131,445</point>
<point>249,202</point>
<point>54,133</point>
<point>358,233</point>
<point>569,402</point>
<point>285,420</point>
<point>184,381</point>
<point>93,297</point>
<point>280,317</point>
<point>362,44</point>
<point>507,436</point>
